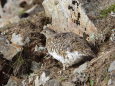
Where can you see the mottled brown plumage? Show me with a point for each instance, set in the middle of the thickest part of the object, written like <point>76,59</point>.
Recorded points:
<point>68,48</point>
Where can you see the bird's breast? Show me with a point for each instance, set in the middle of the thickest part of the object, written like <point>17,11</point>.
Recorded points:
<point>70,58</point>
<point>57,56</point>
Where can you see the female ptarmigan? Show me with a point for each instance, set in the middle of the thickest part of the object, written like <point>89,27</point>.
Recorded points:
<point>68,48</point>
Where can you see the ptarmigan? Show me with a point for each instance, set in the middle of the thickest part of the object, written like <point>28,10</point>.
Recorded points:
<point>68,48</point>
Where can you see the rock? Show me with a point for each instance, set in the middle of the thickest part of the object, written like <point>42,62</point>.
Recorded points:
<point>13,81</point>
<point>112,14</point>
<point>9,12</point>
<point>12,10</point>
<point>80,69</point>
<point>8,50</point>
<point>36,48</point>
<point>111,81</point>
<point>112,37</point>
<point>68,16</point>
<point>53,82</point>
<point>35,9</point>
<point>68,84</point>
<point>40,48</point>
<point>35,66</point>
<point>43,78</point>
<point>112,67</point>
<point>35,80</point>
<point>28,2</point>
<point>18,39</point>
<point>30,80</point>
<point>80,79</point>
<point>79,76</point>
<point>79,16</point>
<point>111,70</point>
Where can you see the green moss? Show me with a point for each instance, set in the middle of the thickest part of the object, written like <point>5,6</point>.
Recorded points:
<point>91,82</point>
<point>105,12</point>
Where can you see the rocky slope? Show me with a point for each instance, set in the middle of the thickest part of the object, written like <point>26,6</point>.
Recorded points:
<point>24,60</point>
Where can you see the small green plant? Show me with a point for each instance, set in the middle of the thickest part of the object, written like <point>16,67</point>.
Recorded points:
<point>105,12</point>
<point>62,79</point>
<point>22,11</point>
<point>91,82</point>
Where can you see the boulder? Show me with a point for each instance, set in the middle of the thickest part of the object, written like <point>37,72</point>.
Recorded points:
<point>68,16</point>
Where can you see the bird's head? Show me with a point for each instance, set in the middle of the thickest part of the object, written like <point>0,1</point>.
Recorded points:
<point>48,32</point>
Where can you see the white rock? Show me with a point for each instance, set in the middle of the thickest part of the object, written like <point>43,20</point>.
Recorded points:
<point>112,14</point>
<point>18,39</point>
<point>36,80</point>
<point>34,9</point>
<point>8,50</point>
<point>68,84</point>
<point>35,66</point>
<point>112,67</point>
<point>112,37</point>
<point>40,48</point>
<point>29,80</point>
<point>67,16</point>
<point>109,82</point>
<point>11,10</point>
<point>43,79</point>
<point>13,81</point>
<point>53,82</point>
<point>80,69</point>
<point>27,40</point>
<point>111,70</point>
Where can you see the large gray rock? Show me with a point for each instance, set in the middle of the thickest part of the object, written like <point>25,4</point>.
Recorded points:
<point>111,70</point>
<point>8,50</point>
<point>112,67</point>
<point>80,69</point>
<point>80,16</point>
<point>112,37</point>
<point>36,80</point>
<point>14,81</point>
<point>53,82</point>
<point>44,77</point>
<point>69,16</point>
<point>68,84</point>
<point>13,10</point>
<point>35,66</point>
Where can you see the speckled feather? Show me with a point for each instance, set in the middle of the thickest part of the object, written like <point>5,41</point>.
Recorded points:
<point>67,48</point>
<point>68,42</point>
